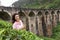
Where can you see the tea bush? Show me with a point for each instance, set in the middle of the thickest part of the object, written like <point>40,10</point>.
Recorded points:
<point>7,33</point>
<point>56,32</point>
<point>5,24</point>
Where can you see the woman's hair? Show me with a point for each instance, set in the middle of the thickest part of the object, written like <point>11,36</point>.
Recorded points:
<point>13,17</point>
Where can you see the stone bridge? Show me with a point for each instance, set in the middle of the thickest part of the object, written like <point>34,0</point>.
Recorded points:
<point>38,21</point>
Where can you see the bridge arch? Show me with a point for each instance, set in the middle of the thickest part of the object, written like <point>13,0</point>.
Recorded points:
<point>39,23</point>
<point>48,24</point>
<point>53,19</point>
<point>21,14</point>
<point>7,12</point>
<point>32,22</point>
<point>58,13</point>
<point>4,15</point>
<point>46,15</point>
<point>31,14</point>
<point>46,12</point>
<point>24,19</point>
<point>45,22</point>
<point>52,12</point>
<point>39,13</point>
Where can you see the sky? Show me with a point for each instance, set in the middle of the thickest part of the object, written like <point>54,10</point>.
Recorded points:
<point>7,2</point>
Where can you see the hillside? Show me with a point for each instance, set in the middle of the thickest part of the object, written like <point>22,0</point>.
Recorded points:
<point>44,4</point>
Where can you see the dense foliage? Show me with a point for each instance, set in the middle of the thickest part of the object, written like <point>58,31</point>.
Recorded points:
<point>56,32</point>
<point>7,33</point>
<point>44,4</point>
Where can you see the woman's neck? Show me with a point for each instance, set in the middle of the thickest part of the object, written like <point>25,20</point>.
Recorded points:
<point>17,20</point>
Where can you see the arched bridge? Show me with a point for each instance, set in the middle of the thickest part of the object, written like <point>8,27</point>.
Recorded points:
<point>38,21</point>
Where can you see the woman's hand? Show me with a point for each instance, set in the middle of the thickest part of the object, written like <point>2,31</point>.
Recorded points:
<point>24,27</point>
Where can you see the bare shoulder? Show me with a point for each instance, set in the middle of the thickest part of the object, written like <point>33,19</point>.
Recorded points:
<point>14,23</point>
<point>21,21</point>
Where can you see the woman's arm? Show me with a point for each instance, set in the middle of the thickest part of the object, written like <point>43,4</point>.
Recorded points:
<point>22,25</point>
<point>14,26</point>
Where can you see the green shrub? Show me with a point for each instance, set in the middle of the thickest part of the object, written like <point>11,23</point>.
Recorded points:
<point>7,33</point>
<point>56,32</point>
<point>20,35</point>
<point>5,24</point>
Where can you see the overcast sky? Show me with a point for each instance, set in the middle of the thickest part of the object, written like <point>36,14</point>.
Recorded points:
<point>7,2</point>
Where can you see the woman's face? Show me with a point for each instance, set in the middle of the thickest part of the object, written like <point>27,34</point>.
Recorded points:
<point>17,17</point>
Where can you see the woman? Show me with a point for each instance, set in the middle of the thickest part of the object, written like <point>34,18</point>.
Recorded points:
<point>17,23</point>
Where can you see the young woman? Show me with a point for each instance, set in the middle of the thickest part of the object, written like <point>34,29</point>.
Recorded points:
<point>17,23</point>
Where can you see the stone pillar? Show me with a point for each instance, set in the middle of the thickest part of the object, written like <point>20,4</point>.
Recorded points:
<point>32,25</point>
<point>44,24</point>
<point>40,29</point>
<point>58,16</point>
<point>26,12</point>
<point>48,26</point>
<point>53,19</point>
<point>24,21</point>
<point>27,24</point>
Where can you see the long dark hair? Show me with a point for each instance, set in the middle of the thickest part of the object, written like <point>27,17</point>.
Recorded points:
<point>13,17</point>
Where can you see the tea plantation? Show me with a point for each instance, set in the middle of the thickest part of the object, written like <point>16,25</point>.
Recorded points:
<point>7,33</point>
